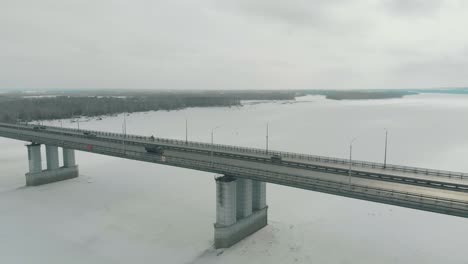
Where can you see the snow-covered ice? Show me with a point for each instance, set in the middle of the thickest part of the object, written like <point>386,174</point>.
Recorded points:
<point>122,211</point>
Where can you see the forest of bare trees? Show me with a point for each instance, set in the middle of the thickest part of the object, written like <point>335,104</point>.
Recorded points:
<point>20,108</point>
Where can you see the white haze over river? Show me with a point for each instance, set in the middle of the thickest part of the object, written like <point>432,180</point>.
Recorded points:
<point>123,211</point>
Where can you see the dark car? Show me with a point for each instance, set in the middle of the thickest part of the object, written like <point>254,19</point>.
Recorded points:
<point>89,134</point>
<point>158,150</point>
<point>276,158</point>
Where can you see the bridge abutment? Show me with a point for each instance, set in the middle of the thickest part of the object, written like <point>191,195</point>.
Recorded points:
<point>241,210</point>
<point>53,173</point>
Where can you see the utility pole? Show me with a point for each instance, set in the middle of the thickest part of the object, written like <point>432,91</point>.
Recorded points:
<point>386,141</point>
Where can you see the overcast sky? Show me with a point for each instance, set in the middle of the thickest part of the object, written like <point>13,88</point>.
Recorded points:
<point>233,44</point>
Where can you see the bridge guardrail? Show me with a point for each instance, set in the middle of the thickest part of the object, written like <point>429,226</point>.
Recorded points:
<point>284,154</point>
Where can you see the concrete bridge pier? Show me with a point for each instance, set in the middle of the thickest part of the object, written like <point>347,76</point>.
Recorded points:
<point>37,176</point>
<point>241,209</point>
<point>52,157</point>
<point>69,158</point>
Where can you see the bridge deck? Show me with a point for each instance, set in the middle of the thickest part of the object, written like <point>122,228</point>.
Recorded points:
<point>415,173</point>
<point>402,187</point>
<point>454,179</point>
<point>257,165</point>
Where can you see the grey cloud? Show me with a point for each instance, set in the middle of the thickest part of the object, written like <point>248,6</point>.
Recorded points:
<point>411,8</point>
<point>227,44</point>
<point>317,14</point>
<point>444,71</point>
<point>295,11</point>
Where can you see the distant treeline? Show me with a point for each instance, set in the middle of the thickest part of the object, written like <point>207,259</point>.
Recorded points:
<point>261,95</point>
<point>361,94</point>
<point>444,91</point>
<point>13,108</point>
<point>28,109</point>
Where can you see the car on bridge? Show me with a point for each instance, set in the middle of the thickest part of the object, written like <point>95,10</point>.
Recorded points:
<point>158,150</point>
<point>276,158</point>
<point>89,134</point>
<point>38,127</point>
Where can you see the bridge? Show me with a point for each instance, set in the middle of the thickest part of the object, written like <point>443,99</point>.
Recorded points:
<point>241,207</point>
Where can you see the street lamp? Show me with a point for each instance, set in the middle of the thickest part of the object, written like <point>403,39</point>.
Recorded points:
<point>186,131</point>
<point>385,155</point>
<point>124,130</point>
<point>212,144</point>
<point>350,160</point>
<point>124,125</point>
<point>267,138</point>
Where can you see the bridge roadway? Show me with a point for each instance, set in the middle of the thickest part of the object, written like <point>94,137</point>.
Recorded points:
<point>431,190</point>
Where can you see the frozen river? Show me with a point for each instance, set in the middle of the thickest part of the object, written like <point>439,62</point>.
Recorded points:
<point>122,211</point>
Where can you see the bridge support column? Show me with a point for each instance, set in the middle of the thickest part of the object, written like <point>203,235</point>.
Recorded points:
<point>258,195</point>
<point>53,173</point>
<point>240,210</point>
<point>52,157</point>
<point>34,157</point>
<point>244,198</point>
<point>69,158</point>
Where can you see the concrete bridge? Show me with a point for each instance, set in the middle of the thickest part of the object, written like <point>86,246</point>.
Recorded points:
<point>241,191</point>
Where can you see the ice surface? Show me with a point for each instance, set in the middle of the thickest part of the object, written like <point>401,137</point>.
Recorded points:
<point>122,211</point>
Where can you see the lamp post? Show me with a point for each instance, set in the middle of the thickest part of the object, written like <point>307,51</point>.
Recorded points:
<point>385,155</point>
<point>186,131</point>
<point>124,130</point>
<point>267,138</point>
<point>350,160</point>
<point>125,125</point>
<point>212,142</point>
